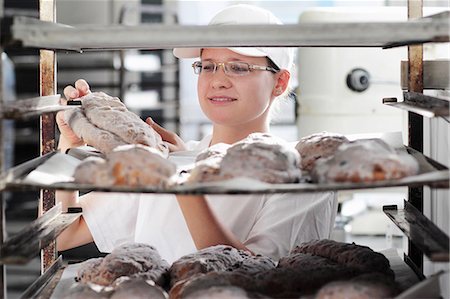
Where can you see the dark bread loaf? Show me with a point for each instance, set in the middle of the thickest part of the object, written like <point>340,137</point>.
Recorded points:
<point>138,289</point>
<point>215,258</point>
<point>361,258</point>
<point>366,286</point>
<point>213,284</point>
<point>127,260</point>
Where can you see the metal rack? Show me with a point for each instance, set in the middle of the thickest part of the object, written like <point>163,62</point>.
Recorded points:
<point>46,34</point>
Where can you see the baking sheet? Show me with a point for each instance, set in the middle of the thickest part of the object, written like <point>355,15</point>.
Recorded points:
<point>33,107</point>
<point>56,172</point>
<point>404,276</point>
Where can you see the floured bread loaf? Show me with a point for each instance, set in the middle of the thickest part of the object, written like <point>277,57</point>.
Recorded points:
<point>104,122</point>
<point>129,165</point>
<point>207,170</point>
<point>101,139</point>
<point>216,151</point>
<point>262,157</point>
<point>127,260</point>
<point>364,160</point>
<point>214,258</point>
<point>316,146</point>
<point>207,164</point>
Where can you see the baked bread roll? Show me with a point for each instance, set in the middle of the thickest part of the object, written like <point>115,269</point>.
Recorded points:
<point>127,260</point>
<point>207,170</point>
<point>301,274</point>
<point>214,258</point>
<point>263,157</point>
<point>215,285</point>
<point>128,165</point>
<point>259,156</point>
<point>218,259</point>
<point>369,286</point>
<point>101,139</point>
<point>138,289</point>
<point>364,160</point>
<point>359,258</point>
<point>316,146</point>
<point>84,291</point>
<point>216,151</point>
<point>104,122</point>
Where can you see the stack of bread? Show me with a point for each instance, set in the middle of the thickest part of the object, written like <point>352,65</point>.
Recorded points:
<point>317,269</point>
<point>331,157</point>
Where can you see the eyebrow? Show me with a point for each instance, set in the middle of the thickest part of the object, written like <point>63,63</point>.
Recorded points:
<point>229,60</point>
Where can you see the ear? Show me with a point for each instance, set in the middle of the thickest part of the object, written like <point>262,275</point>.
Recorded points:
<point>282,83</point>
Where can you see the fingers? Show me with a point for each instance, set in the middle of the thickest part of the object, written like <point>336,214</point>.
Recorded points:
<point>166,135</point>
<point>60,119</point>
<point>81,88</point>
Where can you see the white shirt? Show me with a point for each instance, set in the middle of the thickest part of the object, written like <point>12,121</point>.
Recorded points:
<point>268,224</point>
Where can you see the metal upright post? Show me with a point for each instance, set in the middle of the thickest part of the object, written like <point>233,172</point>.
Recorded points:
<point>47,70</point>
<point>415,121</point>
<point>2,166</point>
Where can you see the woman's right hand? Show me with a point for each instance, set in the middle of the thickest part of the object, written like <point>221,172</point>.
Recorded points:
<point>68,138</point>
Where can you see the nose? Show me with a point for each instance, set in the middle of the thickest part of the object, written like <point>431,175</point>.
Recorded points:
<point>219,79</point>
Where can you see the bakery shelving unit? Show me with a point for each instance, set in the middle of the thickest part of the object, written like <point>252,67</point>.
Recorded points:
<point>49,36</point>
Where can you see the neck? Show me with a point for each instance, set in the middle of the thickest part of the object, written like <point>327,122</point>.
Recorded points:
<point>230,135</point>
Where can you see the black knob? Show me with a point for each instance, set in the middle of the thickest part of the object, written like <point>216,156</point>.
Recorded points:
<point>358,80</point>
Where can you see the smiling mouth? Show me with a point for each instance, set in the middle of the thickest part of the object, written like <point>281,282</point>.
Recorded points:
<point>222,99</point>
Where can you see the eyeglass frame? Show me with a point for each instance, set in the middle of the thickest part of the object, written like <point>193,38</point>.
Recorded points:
<point>223,64</point>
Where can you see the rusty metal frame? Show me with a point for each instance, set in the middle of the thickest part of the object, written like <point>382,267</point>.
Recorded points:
<point>415,122</point>
<point>2,160</point>
<point>47,75</point>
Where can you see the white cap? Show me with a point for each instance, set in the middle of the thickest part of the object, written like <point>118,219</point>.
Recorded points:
<point>243,14</point>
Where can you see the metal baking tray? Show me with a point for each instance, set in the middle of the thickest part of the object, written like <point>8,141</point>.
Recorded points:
<point>410,284</point>
<point>43,287</point>
<point>33,107</point>
<point>424,105</point>
<point>431,173</point>
<point>34,33</point>
<point>421,231</point>
<point>25,245</point>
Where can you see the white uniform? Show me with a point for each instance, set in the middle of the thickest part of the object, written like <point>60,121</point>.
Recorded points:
<point>268,224</point>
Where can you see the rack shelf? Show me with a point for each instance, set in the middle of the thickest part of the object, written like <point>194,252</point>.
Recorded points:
<point>45,284</point>
<point>436,74</point>
<point>427,106</point>
<point>35,33</point>
<point>26,244</point>
<point>421,231</point>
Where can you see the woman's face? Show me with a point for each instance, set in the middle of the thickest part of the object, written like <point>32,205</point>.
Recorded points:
<point>235,101</point>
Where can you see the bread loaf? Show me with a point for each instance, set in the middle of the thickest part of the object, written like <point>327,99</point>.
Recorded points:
<point>364,160</point>
<point>128,165</point>
<point>262,157</point>
<point>126,260</point>
<point>357,257</point>
<point>104,122</point>
<point>316,146</point>
<point>215,258</point>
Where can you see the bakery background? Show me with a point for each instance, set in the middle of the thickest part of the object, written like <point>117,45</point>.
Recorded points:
<point>153,83</point>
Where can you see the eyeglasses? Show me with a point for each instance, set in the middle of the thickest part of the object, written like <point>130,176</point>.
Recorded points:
<point>232,68</point>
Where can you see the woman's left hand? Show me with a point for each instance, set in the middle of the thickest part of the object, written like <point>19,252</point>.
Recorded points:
<point>173,141</point>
